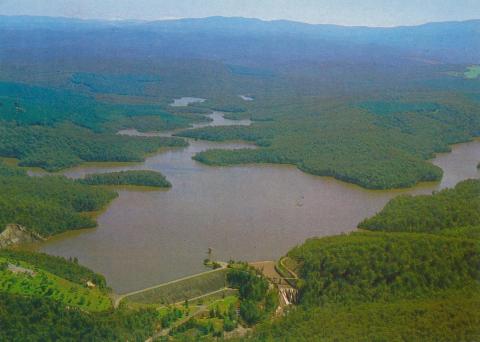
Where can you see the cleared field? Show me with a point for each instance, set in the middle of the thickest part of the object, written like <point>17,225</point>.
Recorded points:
<point>24,279</point>
<point>186,288</point>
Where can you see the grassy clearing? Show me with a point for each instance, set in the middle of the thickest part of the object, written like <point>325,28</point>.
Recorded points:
<point>30,281</point>
<point>222,306</point>
<point>61,267</point>
<point>183,289</point>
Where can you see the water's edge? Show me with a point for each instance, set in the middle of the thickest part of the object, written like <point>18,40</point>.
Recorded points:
<point>253,212</point>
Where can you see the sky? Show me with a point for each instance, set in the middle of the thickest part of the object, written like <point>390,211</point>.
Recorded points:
<point>341,12</point>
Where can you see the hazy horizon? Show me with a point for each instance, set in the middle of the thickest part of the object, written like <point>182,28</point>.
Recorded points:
<point>373,13</point>
<point>227,17</point>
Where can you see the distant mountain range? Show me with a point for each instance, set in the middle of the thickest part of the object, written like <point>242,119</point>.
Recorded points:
<point>239,41</point>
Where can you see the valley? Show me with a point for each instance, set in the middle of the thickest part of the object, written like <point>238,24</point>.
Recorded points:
<point>227,178</point>
<point>254,212</point>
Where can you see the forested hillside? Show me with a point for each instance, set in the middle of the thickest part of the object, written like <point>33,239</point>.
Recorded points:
<point>33,105</point>
<point>449,208</point>
<point>389,285</point>
<point>40,319</point>
<point>366,114</point>
<point>375,144</point>
<point>237,40</point>
<point>59,147</point>
<point>368,106</point>
<point>450,317</point>
<point>67,269</point>
<point>366,267</point>
<point>46,298</point>
<point>47,205</point>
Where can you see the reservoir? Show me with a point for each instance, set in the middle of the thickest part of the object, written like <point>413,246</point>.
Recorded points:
<point>252,212</point>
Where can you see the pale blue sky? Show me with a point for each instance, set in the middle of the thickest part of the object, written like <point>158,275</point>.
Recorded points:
<point>343,12</point>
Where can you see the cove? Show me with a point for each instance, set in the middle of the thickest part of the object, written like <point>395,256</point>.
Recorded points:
<point>252,212</point>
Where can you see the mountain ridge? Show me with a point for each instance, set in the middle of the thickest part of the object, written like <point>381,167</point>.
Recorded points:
<point>222,18</point>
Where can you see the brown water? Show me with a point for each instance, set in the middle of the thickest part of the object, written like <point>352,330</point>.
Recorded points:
<point>254,212</point>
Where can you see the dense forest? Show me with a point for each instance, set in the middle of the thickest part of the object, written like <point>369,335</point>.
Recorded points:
<point>33,105</point>
<point>139,178</point>
<point>59,147</point>
<point>376,144</point>
<point>373,119</point>
<point>57,128</point>
<point>39,319</point>
<point>448,208</point>
<point>393,285</point>
<point>47,205</point>
<point>450,317</point>
<point>369,106</point>
<point>367,267</point>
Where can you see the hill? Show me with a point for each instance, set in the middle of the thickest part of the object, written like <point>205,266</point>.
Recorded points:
<point>449,208</point>
<point>47,205</point>
<point>237,39</point>
<point>368,106</point>
<point>389,285</point>
<point>48,298</point>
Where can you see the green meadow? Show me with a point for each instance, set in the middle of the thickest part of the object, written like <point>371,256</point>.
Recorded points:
<point>39,283</point>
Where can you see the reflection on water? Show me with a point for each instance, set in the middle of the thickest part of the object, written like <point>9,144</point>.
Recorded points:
<point>253,212</point>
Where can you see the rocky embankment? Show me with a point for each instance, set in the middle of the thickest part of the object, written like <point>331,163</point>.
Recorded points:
<point>15,234</point>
